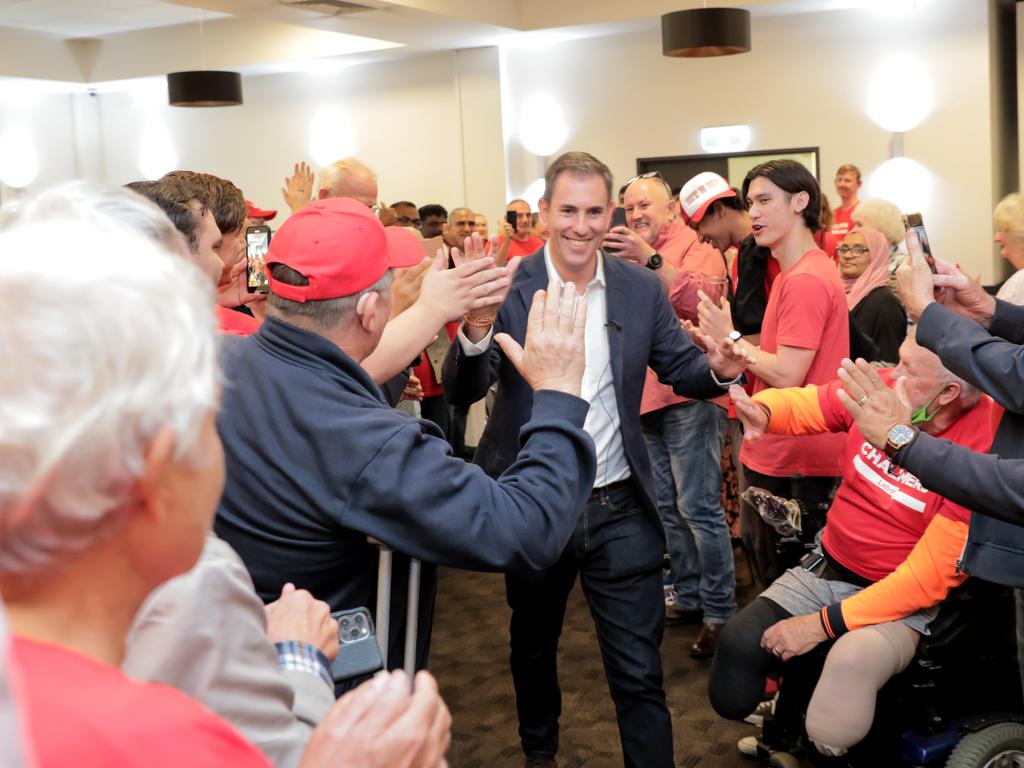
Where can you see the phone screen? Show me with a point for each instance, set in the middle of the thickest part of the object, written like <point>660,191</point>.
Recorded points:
<point>618,220</point>
<point>913,222</point>
<point>512,218</point>
<point>257,243</point>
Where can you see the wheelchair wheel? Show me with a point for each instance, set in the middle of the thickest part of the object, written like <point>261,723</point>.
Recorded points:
<point>998,746</point>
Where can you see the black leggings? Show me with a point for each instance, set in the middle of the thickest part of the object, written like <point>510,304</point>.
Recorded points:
<point>741,665</point>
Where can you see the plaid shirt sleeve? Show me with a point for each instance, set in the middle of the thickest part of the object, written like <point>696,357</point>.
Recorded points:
<point>296,656</point>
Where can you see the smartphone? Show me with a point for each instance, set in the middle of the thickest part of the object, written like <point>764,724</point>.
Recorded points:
<point>618,220</point>
<point>914,222</point>
<point>358,654</point>
<point>512,218</point>
<point>257,243</point>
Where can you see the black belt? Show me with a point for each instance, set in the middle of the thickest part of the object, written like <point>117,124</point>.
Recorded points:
<point>610,488</point>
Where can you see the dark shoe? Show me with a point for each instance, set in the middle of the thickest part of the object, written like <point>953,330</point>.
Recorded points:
<point>540,762</point>
<point>704,646</point>
<point>675,615</point>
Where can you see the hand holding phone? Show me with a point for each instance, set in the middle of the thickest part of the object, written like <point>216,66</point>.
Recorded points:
<point>618,220</point>
<point>913,222</point>
<point>257,243</point>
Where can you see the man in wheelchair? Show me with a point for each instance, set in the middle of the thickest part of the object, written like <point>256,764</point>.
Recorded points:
<point>888,554</point>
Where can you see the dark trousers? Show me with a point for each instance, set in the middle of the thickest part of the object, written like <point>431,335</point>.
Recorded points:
<point>616,550</point>
<point>760,539</point>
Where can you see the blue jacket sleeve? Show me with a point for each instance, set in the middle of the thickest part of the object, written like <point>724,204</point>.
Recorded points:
<point>675,358</point>
<point>466,379</point>
<point>993,365</point>
<point>415,497</point>
<point>981,482</point>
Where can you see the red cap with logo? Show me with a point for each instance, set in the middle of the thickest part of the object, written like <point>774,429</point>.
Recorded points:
<point>259,213</point>
<point>700,192</point>
<point>340,247</point>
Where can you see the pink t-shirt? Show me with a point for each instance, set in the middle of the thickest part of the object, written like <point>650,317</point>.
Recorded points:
<point>679,246</point>
<point>807,310</point>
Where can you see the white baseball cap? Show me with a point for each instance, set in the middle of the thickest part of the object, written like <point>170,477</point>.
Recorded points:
<point>700,192</point>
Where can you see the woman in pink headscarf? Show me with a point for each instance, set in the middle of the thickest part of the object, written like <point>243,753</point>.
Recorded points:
<point>864,266</point>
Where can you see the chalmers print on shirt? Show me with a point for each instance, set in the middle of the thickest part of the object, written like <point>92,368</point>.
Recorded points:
<point>874,466</point>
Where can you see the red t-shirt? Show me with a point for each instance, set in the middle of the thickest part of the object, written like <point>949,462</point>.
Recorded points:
<point>83,713</point>
<point>828,242</point>
<point>425,371</point>
<point>526,247</point>
<point>842,222</point>
<point>236,323</point>
<point>878,517</point>
<point>806,309</point>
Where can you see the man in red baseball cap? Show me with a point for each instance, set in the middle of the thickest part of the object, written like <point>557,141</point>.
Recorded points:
<point>317,461</point>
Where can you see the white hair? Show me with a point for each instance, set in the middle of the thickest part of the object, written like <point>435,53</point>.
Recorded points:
<point>106,207</point>
<point>883,216</point>
<point>334,176</point>
<point>106,337</point>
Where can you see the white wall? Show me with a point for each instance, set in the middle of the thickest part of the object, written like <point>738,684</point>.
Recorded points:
<point>803,84</point>
<point>434,126</point>
<point>429,126</point>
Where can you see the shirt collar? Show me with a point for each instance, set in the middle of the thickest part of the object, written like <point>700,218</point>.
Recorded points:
<point>598,273</point>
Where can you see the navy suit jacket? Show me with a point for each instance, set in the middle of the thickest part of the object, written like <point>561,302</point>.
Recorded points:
<point>642,330</point>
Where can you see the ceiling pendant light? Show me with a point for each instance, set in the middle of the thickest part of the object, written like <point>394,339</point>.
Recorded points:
<point>204,87</point>
<point>705,32</point>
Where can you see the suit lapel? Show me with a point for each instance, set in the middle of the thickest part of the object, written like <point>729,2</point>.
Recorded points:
<point>531,277</point>
<point>617,305</point>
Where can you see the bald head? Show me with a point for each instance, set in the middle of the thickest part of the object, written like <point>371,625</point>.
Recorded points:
<point>650,207</point>
<point>349,178</point>
<point>461,223</point>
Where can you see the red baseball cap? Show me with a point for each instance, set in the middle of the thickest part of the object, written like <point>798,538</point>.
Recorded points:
<point>340,247</point>
<point>700,192</point>
<point>259,213</point>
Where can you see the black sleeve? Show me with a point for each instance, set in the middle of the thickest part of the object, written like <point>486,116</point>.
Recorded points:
<point>881,316</point>
<point>981,482</point>
<point>465,378</point>
<point>995,366</point>
<point>675,358</point>
<point>393,387</point>
<point>417,498</point>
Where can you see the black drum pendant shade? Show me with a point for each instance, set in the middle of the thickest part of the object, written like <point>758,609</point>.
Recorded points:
<point>705,32</point>
<point>204,88</point>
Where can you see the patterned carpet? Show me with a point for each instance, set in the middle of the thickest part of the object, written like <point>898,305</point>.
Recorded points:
<point>469,656</point>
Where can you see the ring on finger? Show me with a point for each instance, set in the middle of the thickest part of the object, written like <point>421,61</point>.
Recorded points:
<point>862,400</point>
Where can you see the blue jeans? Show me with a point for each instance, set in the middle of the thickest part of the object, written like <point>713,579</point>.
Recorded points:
<point>685,445</point>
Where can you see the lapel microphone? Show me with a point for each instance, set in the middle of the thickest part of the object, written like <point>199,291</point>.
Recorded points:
<point>613,324</point>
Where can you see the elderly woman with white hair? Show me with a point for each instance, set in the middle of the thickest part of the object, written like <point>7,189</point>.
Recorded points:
<point>1009,220</point>
<point>885,217</point>
<point>110,473</point>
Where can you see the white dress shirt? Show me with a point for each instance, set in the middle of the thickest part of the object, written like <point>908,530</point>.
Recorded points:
<point>598,388</point>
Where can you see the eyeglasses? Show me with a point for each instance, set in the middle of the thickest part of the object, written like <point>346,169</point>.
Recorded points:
<point>858,250</point>
<point>648,175</point>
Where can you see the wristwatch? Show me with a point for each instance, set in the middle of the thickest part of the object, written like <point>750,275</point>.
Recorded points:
<point>899,436</point>
<point>654,261</point>
<point>734,336</point>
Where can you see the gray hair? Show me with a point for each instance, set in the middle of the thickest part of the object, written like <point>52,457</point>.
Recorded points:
<point>98,356</point>
<point>334,176</point>
<point>327,315</point>
<point>883,216</point>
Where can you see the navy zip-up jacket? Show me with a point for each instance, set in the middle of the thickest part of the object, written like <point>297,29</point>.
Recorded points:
<point>316,462</point>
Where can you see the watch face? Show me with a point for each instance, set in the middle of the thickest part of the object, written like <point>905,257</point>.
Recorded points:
<point>901,434</point>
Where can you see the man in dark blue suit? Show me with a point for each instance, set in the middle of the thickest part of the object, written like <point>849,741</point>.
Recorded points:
<point>618,542</point>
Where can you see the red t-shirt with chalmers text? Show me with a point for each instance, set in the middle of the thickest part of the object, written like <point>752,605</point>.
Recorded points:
<point>807,310</point>
<point>842,222</point>
<point>878,515</point>
<point>82,713</point>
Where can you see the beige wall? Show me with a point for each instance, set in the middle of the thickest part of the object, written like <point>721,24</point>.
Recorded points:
<point>433,125</point>
<point>803,84</point>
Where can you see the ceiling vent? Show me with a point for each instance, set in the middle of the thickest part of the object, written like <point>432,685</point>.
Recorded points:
<point>330,7</point>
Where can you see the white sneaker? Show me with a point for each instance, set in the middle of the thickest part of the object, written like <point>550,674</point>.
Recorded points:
<point>764,709</point>
<point>748,746</point>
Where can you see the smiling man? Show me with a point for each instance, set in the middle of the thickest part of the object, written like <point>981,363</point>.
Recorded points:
<point>804,336</point>
<point>616,547</point>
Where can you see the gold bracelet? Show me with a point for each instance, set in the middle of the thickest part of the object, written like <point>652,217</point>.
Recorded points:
<point>476,323</point>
